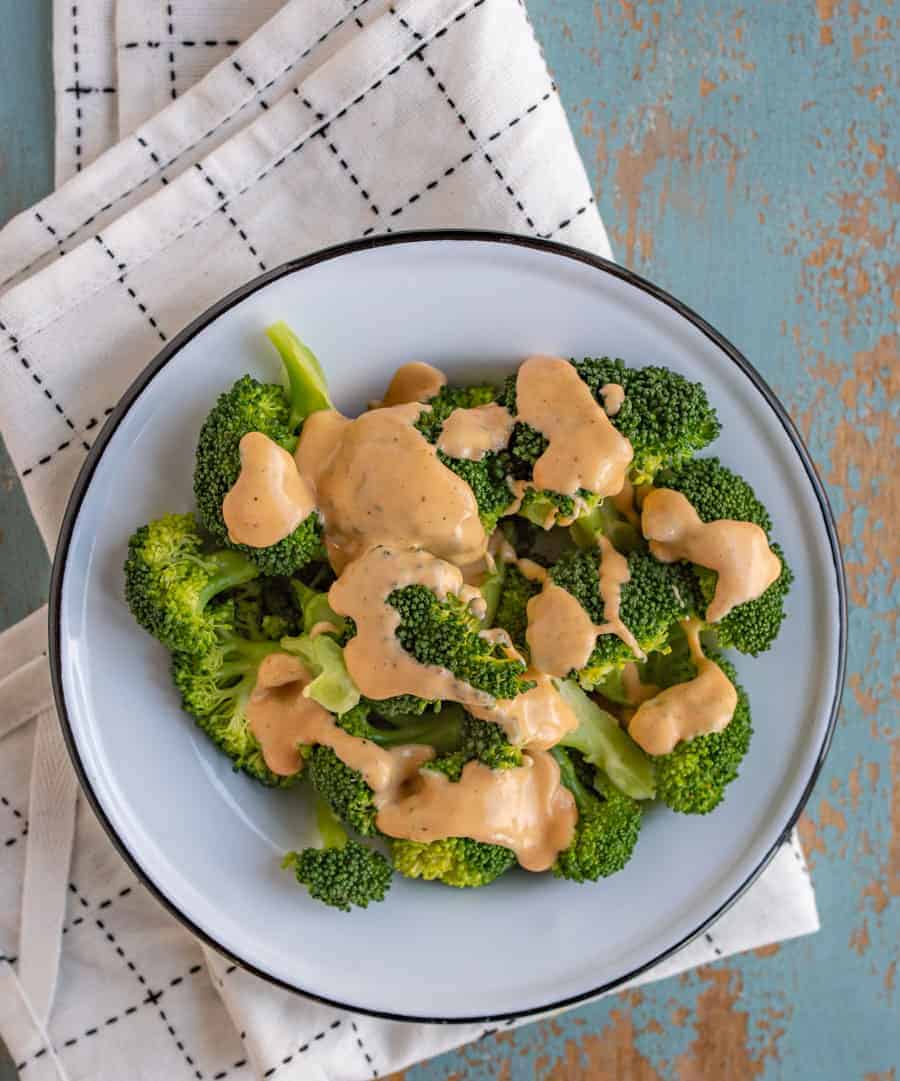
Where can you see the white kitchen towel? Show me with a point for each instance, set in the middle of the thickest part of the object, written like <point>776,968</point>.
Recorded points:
<point>335,119</point>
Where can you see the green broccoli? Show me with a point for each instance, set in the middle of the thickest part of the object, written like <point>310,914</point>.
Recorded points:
<point>250,406</point>
<point>265,608</point>
<point>607,828</point>
<point>342,873</point>
<point>715,492</point>
<point>602,743</point>
<point>692,778</point>
<point>512,611</point>
<point>446,633</point>
<point>215,687</point>
<point>650,603</point>
<point>448,398</point>
<point>665,417</point>
<point>455,861</point>
<point>482,741</point>
<point>170,581</point>
<point>488,479</point>
<point>345,790</point>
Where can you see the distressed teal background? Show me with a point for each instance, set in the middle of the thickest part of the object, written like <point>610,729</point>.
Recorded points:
<point>742,158</point>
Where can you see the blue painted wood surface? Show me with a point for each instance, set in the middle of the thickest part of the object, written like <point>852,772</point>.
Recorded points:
<point>742,157</point>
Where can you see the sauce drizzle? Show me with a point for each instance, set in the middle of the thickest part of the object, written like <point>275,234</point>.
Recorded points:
<point>414,382</point>
<point>472,433</point>
<point>738,551</point>
<point>584,450</point>
<point>702,705</point>
<point>269,499</point>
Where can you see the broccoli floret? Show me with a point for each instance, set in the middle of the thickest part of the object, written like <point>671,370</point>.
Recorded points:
<point>479,740</point>
<point>607,828</point>
<point>345,790</point>
<point>488,480</point>
<point>215,687</point>
<point>343,873</point>
<point>650,604</point>
<point>455,861</point>
<point>692,778</point>
<point>250,406</point>
<point>446,633</point>
<point>715,492</point>
<point>431,421</point>
<point>512,611</point>
<point>265,608</point>
<point>665,417</point>
<point>170,581</point>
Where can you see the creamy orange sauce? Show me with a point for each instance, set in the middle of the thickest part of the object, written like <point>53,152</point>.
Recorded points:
<point>738,551</point>
<point>376,661</point>
<point>414,382</point>
<point>636,691</point>
<point>584,449</point>
<point>472,433</point>
<point>561,635</point>
<point>537,719</point>
<point>613,395</point>
<point>702,705</point>
<point>382,483</point>
<point>282,717</point>
<point>269,499</point>
<point>625,503</point>
<point>526,809</point>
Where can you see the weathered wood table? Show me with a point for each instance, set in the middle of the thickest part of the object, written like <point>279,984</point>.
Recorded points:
<point>742,158</point>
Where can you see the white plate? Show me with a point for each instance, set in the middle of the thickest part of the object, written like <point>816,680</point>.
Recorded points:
<point>208,841</point>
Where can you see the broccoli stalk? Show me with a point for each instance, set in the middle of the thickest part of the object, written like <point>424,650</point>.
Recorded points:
<point>607,828</point>
<point>512,611</point>
<point>170,581</point>
<point>250,406</point>
<point>343,873</point>
<point>603,744</point>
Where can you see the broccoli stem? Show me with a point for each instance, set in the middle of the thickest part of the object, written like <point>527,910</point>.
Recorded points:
<point>491,589</point>
<point>307,386</point>
<point>329,825</point>
<point>605,745</point>
<point>605,519</point>
<point>227,570</point>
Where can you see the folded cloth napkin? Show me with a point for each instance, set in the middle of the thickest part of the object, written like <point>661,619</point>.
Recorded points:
<point>332,119</point>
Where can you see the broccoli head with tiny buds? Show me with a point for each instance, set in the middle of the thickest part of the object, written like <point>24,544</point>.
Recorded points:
<point>454,861</point>
<point>716,492</point>
<point>251,406</point>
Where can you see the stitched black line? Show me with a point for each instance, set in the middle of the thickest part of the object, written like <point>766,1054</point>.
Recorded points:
<point>102,905</point>
<point>224,209</point>
<point>14,840</point>
<point>362,1048</point>
<point>92,423</point>
<point>149,1000</point>
<point>464,122</point>
<point>432,184</point>
<point>142,307</point>
<point>302,1049</point>
<point>10,959</point>
<point>26,364</point>
<point>297,147</point>
<point>15,813</point>
<point>152,997</point>
<point>342,161</point>
<point>78,90</point>
<point>709,938</point>
<point>206,135</point>
<point>76,67</point>
<point>171,33</point>
<point>566,222</point>
<point>187,44</point>
<point>249,78</point>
